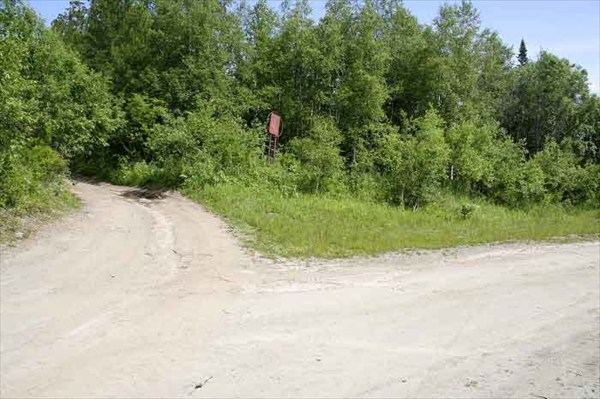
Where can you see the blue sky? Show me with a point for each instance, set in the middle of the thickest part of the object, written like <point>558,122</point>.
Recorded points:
<point>569,28</point>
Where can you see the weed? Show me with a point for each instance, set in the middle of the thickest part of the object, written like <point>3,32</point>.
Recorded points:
<point>318,225</point>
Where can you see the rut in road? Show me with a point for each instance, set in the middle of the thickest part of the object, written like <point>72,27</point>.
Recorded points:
<point>152,297</point>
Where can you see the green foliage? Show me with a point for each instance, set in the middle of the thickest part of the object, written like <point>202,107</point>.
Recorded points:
<point>431,157</point>
<point>586,142</point>
<point>31,179</point>
<point>414,168</point>
<point>587,189</point>
<point>484,161</point>
<point>319,156</point>
<point>175,93</point>
<point>522,57</point>
<point>309,225</point>
<point>514,182</point>
<point>473,65</point>
<point>565,180</point>
<point>203,149</point>
<point>471,162</point>
<point>550,101</point>
<point>52,107</point>
<point>359,67</point>
<point>142,114</point>
<point>76,112</point>
<point>142,174</point>
<point>468,210</point>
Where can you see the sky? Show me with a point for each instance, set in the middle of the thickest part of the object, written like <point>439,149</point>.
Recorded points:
<point>567,28</point>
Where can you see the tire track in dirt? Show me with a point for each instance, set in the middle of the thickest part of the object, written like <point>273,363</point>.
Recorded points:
<point>148,295</point>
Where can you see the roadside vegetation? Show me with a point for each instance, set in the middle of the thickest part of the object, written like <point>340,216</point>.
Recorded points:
<point>396,134</point>
<point>34,189</point>
<point>325,226</point>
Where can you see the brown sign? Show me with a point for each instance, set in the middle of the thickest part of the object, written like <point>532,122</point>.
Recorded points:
<point>274,124</point>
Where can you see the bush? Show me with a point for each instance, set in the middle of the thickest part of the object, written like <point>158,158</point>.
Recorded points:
<point>281,176</point>
<point>31,178</point>
<point>76,113</point>
<point>146,175</point>
<point>467,210</point>
<point>205,150</point>
<point>514,181</point>
<point>414,168</point>
<point>319,156</point>
<point>471,165</point>
<point>586,188</point>
<point>564,178</point>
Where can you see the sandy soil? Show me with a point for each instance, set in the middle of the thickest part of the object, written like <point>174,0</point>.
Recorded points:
<point>137,297</point>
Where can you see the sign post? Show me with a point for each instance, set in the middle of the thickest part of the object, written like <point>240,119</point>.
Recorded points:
<point>274,129</point>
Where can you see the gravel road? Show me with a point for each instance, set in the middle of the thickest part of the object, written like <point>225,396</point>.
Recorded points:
<point>138,297</point>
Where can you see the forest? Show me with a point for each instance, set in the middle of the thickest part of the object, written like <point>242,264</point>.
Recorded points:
<point>389,125</point>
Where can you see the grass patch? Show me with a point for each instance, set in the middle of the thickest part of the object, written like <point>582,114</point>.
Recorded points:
<point>142,174</point>
<point>19,222</point>
<point>309,225</point>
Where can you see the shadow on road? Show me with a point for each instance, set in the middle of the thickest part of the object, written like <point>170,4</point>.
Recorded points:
<point>145,193</point>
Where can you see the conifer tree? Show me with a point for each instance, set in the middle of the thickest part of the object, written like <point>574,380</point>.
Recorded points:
<point>523,60</point>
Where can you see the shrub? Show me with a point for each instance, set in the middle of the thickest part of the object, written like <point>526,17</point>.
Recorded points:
<point>30,177</point>
<point>561,172</point>
<point>414,168</point>
<point>467,210</point>
<point>319,156</point>
<point>586,187</point>
<point>471,165</point>
<point>514,181</point>
<point>146,175</point>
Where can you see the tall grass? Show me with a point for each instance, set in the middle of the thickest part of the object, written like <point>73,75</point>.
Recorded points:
<point>42,205</point>
<point>310,225</point>
<point>33,187</point>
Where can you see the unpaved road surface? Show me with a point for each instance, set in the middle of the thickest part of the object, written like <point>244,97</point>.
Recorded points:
<point>135,297</point>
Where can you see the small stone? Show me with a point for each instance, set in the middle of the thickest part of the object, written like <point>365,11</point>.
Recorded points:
<point>471,384</point>
<point>19,234</point>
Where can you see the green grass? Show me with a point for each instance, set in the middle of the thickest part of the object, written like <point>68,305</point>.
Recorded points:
<point>39,207</point>
<point>309,225</point>
<point>142,174</point>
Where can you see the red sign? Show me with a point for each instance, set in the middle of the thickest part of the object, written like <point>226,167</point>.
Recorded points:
<point>274,124</point>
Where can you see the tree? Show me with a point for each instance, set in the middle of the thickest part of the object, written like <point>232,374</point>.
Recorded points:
<point>256,69</point>
<point>546,102</point>
<point>71,24</point>
<point>412,69</point>
<point>297,68</point>
<point>362,86</point>
<point>333,35</point>
<point>523,60</point>
<point>369,96</point>
<point>473,66</point>
<point>52,108</point>
<point>69,107</point>
<point>586,142</point>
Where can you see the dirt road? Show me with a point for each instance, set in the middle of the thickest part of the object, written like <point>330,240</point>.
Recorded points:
<point>135,297</point>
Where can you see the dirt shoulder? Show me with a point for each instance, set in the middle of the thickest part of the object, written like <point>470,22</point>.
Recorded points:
<point>152,297</point>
